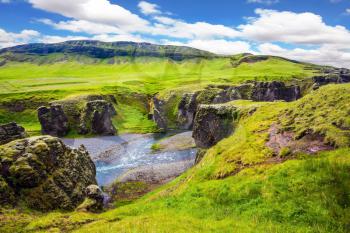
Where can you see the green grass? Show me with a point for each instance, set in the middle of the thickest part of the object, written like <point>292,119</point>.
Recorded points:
<point>324,112</point>
<point>149,77</point>
<point>301,195</point>
<point>130,119</point>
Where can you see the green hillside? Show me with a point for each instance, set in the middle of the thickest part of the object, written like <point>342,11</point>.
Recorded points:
<point>33,75</point>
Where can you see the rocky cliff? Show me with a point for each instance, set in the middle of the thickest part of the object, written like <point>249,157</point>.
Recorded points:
<point>45,174</point>
<point>213,123</point>
<point>256,91</point>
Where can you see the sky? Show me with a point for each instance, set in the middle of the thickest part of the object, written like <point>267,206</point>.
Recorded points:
<point>316,31</point>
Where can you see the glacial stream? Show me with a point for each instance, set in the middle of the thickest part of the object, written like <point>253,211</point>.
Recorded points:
<point>115,155</point>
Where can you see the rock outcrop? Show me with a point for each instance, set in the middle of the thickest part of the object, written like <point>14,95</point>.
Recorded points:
<point>93,201</point>
<point>10,132</point>
<point>256,91</point>
<point>186,110</point>
<point>96,118</point>
<point>230,93</point>
<point>159,114</point>
<point>90,114</point>
<point>53,120</point>
<point>213,123</point>
<point>342,76</point>
<point>271,91</point>
<point>45,174</point>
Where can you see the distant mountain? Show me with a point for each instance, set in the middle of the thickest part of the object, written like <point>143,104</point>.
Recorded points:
<point>103,50</point>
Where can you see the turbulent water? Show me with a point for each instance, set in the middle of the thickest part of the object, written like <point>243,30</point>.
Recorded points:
<point>114,155</point>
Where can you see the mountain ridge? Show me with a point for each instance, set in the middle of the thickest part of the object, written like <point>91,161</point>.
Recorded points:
<point>99,49</point>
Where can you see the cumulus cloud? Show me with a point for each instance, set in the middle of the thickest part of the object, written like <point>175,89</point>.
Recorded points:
<point>82,26</point>
<point>325,55</point>
<point>199,30</point>
<point>94,11</point>
<point>101,17</point>
<point>290,27</point>
<point>10,39</point>
<point>148,8</point>
<point>223,47</point>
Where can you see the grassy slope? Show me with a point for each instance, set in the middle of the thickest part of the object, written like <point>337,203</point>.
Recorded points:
<point>303,194</point>
<point>43,83</point>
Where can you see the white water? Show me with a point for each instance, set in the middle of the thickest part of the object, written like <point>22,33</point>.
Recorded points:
<point>114,155</point>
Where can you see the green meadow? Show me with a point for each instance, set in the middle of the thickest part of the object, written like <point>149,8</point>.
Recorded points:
<point>34,84</point>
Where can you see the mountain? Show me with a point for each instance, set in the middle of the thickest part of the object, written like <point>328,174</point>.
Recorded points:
<point>103,50</point>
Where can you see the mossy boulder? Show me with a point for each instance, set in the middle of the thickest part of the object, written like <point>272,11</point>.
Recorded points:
<point>93,201</point>
<point>96,118</point>
<point>10,132</point>
<point>44,173</point>
<point>7,195</point>
<point>53,120</point>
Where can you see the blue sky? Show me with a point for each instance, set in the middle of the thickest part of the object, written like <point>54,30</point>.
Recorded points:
<point>310,30</point>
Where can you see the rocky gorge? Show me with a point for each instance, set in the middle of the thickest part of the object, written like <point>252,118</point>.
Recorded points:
<point>47,174</point>
<point>203,109</point>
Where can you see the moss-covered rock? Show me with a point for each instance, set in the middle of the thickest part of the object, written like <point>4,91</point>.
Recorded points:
<point>53,120</point>
<point>44,173</point>
<point>93,201</point>
<point>10,132</point>
<point>86,114</point>
<point>7,195</point>
<point>96,118</point>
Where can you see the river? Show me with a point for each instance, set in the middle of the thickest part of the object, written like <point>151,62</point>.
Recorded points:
<point>115,155</point>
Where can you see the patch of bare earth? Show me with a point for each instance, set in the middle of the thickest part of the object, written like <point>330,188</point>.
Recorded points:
<point>308,144</point>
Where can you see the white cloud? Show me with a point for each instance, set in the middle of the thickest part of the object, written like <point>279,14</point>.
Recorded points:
<point>267,2</point>
<point>165,20</point>
<point>94,11</point>
<point>100,17</point>
<point>82,26</point>
<point>5,1</point>
<point>222,47</point>
<point>347,11</point>
<point>290,27</point>
<point>148,8</point>
<point>11,39</point>
<point>58,39</point>
<point>325,55</point>
<point>199,30</point>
